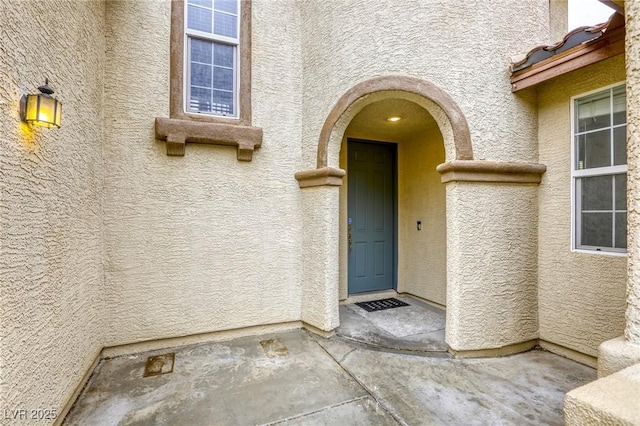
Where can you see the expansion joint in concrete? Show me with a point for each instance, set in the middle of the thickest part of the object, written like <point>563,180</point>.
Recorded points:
<point>328,407</point>
<point>496,352</point>
<point>381,348</point>
<point>362,385</point>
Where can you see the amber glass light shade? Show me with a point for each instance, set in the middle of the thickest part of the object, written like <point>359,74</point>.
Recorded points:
<point>43,109</point>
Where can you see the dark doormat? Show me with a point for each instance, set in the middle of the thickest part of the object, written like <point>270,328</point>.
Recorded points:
<point>381,305</point>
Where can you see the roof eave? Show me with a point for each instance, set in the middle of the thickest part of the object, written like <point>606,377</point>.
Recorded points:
<point>617,5</point>
<point>608,45</point>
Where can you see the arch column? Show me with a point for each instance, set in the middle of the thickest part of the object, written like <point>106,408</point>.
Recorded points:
<point>320,247</point>
<point>491,256</point>
<point>320,280</point>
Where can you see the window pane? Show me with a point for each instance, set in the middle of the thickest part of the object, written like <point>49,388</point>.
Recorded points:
<point>212,60</point>
<point>621,230</point>
<point>619,105</point>
<point>200,99</point>
<point>223,78</point>
<point>230,6</point>
<point>222,102</point>
<point>223,55</point>
<point>593,150</point>
<point>620,146</point>
<point>225,25</point>
<point>597,193</point>
<point>205,3</point>
<point>621,192</point>
<point>201,75</point>
<point>596,229</point>
<point>200,51</point>
<point>199,19</point>
<point>594,112</point>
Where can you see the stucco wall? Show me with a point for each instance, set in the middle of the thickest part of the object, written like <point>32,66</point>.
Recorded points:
<point>422,255</point>
<point>51,241</point>
<point>632,329</point>
<point>463,50</point>
<point>491,265</point>
<point>491,274</point>
<point>202,242</point>
<point>581,296</point>
<point>558,19</point>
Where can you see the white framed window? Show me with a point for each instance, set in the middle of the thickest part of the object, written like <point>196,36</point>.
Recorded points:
<point>212,39</point>
<point>599,171</point>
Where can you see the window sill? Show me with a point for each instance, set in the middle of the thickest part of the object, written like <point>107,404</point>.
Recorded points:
<point>600,252</point>
<point>177,132</point>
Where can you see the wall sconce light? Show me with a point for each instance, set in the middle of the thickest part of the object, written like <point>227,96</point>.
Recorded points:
<point>41,109</point>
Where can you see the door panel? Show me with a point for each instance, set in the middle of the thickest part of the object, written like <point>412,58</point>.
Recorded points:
<point>371,209</point>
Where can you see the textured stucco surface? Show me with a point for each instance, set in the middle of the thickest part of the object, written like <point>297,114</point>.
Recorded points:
<point>581,295</point>
<point>558,19</point>
<point>436,41</point>
<point>491,265</point>
<point>107,241</point>
<point>617,354</point>
<point>422,255</point>
<point>612,400</point>
<point>494,273</point>
<point>320,273</point>
<point>51,243</point>
<point>203,242</point>
<point>632,329</point>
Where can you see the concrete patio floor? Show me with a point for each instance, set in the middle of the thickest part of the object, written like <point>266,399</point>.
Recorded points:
<point>296,377</point>
<point>418,327</point>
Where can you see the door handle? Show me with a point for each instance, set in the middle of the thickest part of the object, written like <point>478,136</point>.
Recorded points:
<point>350,238</point>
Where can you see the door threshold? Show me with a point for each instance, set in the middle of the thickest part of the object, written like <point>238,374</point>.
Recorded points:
<point>368,296</point>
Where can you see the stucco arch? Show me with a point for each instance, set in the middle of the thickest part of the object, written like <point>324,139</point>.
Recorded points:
<point>451,121</point>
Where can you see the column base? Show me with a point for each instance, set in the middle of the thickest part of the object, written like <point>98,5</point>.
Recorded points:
<point>615,355</point>
<point>612,400</point>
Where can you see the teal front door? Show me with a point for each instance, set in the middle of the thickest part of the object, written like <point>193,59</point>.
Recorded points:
<point>371,216</point>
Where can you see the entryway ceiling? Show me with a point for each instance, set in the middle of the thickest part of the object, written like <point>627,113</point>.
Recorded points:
<point>372,120</point>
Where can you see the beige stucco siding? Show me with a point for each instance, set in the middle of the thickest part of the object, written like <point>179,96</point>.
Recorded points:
<point>632,329</point>
<point>422,262</point>
<point>107,241</point>
<point>559,19</point>
<point>491,265</point>
<point>202,242</point>
<point>465,50</point>
<point>51,240</point>
<point>581,296</point>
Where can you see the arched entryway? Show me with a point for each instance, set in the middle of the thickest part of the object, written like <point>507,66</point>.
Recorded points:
<point>437,102</point>
<point>473,189</point>
<point>407,251</point>
<point>432,129</point>
<point>441,134</point>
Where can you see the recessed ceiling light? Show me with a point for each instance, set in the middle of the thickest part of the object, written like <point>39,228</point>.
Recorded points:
<point>394,118</point>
